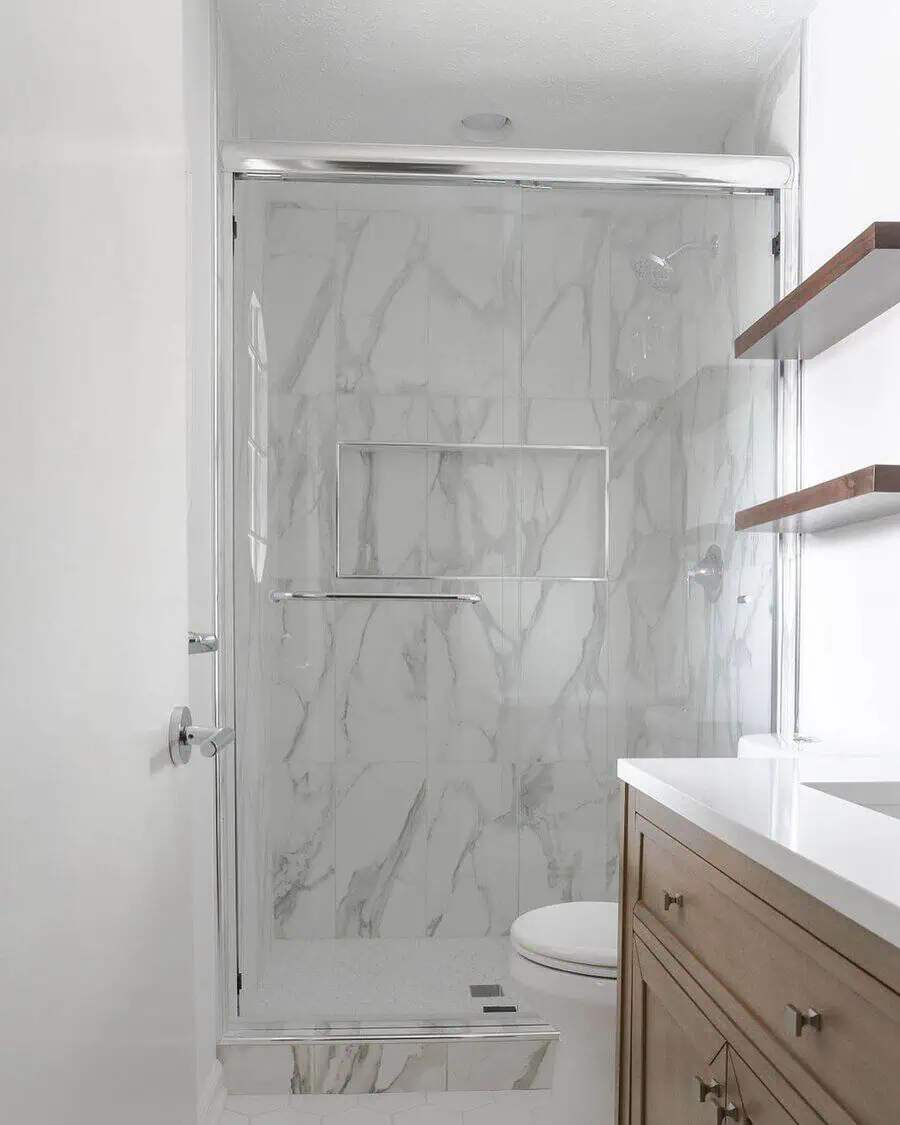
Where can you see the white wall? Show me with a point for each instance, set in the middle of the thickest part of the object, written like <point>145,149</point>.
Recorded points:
<point>199,87</point>
<point>850,606</point>
<point>97,1021</point>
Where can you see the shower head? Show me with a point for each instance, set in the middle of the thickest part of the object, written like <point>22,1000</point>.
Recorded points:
<point>659,273</point>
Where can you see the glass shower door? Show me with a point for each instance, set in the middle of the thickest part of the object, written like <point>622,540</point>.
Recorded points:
<point>484,448</point>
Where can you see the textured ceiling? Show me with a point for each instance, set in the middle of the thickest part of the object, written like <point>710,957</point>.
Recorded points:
<point>616,74</point>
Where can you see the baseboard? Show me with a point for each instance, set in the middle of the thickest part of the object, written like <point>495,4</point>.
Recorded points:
<point>211,1103</point>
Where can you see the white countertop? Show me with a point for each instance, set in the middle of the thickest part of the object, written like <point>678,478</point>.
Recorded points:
<point>786,813</point>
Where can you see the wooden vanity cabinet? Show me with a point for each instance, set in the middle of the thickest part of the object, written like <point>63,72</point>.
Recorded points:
<point>742,998</point>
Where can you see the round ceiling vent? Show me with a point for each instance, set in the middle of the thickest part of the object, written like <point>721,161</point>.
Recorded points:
<point>485,126</point>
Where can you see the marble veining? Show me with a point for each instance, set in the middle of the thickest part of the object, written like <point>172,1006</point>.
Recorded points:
<point>416,770</point>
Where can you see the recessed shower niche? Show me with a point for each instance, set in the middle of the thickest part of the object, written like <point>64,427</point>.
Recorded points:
<point>427,510</point>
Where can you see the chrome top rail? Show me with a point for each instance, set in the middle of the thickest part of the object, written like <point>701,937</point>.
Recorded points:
<point>455,164</point>
<point>353,595</point>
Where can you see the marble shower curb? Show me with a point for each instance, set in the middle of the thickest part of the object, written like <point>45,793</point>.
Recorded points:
<point>427,1065</point>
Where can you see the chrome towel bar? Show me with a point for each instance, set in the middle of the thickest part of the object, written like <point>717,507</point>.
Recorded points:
<point>336,595</point>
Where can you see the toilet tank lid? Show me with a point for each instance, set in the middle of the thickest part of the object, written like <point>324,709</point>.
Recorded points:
<point>580,933</point>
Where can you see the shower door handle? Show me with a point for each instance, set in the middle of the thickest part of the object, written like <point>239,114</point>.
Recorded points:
<point>184,736</point>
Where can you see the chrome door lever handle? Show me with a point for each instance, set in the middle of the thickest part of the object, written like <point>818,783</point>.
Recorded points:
<point>184,736</point>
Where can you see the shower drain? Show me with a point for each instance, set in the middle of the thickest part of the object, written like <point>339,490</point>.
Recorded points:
<point>490,992</point>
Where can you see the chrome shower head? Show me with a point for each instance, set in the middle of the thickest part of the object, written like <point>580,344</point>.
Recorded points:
<point>659,273</point>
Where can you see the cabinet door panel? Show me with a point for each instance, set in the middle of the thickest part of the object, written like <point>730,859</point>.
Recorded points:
<point>673,1044</point>
<point>756,1102</point>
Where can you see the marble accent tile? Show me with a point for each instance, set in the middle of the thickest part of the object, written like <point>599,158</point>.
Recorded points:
<point>383,312</point>
<point>563,515</point>
<point>380,661</point>
<point>302,817</point>
<point>564,670</point>
<point>381,847</point>
<point>472,850</point>
<point>471,676</point>
<point>515,1065</point>
<point>562,808</point>
<point>371,1068</point>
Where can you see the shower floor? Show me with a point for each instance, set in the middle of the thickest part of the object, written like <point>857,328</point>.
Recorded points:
<point>382,979</point>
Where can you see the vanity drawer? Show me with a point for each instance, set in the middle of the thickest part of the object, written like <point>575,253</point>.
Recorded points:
<point>836,1020</point>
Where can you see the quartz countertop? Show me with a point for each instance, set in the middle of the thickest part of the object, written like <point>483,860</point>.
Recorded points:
<point>797,817</point>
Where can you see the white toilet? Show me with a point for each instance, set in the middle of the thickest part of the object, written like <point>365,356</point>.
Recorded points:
<point>564,961</point>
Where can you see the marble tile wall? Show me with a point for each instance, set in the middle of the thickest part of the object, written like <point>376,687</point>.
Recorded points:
<point>435,768</point>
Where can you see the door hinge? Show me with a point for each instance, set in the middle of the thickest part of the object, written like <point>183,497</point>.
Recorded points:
<point>234,228</point>
<point>776,246</point>
<point>239,982</point>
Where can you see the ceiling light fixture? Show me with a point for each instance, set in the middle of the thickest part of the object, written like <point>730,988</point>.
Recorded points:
<point>484,126</point>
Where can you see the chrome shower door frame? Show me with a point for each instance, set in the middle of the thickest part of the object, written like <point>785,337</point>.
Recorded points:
<point>399,164</point>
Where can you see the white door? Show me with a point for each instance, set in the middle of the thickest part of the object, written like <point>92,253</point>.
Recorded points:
<point>96,977</point>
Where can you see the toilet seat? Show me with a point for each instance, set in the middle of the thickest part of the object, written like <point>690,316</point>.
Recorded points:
<point>572,937</point>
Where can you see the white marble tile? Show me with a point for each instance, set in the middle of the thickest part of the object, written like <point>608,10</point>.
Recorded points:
<point>383,512</point>
<point>371,1068</point>
<point>380,858</point>
<point>301,703</point>
<point>515,1065</point>
<point>562,813</point>
<point>471,676</point>
<point>302,815</point>
<point>380,693</point>
<point>472,850</point>
<point>565,290</point>
<point>564,670</point>
<point>302,469</point>
<point>383,321</point>
<point>298,295</point>
<point>468,314</point>
<point>470,514</point>
<point>563,515</point>
<point>382,417</point>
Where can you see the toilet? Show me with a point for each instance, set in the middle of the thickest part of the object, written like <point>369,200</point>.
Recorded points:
<point>564,961</point>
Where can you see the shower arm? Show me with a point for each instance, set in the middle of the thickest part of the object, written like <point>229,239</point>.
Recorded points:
<point>713,245</point>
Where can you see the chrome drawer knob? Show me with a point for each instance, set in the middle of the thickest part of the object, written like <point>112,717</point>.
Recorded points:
<point>727,1112</point>
<point>672,900</point>
<point>795,1020</point>
<point>708,1089</point>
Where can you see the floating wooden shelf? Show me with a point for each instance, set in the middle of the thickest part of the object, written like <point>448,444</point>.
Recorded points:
<point>864,495</point>
<point>859,283</point>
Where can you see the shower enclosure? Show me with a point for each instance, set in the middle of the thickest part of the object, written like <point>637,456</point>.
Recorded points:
<point>487,442</point>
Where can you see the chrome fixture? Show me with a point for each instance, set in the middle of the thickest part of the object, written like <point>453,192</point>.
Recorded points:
<point>352,595</point>
<point>184,736</point>
<point>659,273</point>
<point>672,900</point>
<point>727,1112</point>
<point>795,1020</point>
<point>709,573</point>
<point>202,642</point>
<point>462,164</point>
